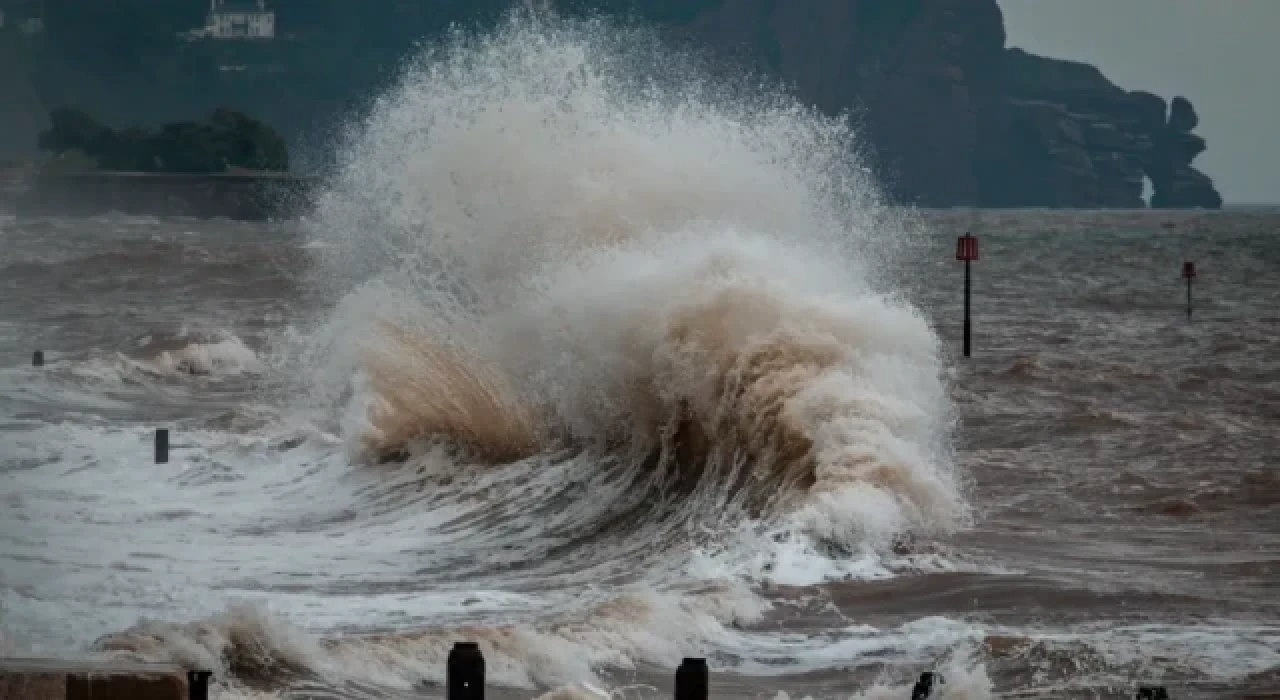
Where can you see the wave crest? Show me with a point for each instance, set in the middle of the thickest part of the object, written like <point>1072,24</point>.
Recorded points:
<point>546,244</point>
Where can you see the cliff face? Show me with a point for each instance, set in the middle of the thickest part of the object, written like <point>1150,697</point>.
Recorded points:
<point>919,75</point>
<point>951,116</point>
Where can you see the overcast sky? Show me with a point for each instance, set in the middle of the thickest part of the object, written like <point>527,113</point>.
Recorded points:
<point>1222,54</point>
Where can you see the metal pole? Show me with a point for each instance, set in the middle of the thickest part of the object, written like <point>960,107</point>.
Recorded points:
<point>967,344</point>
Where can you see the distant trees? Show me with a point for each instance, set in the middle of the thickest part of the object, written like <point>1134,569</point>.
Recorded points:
<point>227,139</point>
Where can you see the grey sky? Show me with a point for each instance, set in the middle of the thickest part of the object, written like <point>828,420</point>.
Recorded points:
<point>1222,54</point>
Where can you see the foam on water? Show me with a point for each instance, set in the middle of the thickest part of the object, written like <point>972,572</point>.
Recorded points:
<point>218,353</point>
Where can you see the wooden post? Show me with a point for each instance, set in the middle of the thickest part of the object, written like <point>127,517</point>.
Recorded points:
<point>464,675</point>
<point>692,680</point>
<point>162,446</point>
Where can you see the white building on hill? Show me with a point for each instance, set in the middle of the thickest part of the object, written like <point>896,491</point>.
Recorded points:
<point>240,20</point>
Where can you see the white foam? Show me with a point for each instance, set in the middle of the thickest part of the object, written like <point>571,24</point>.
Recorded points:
<point>529,199</point>
<point>219,353</point>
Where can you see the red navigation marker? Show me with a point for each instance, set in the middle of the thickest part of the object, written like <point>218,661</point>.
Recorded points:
<point>967,248</point>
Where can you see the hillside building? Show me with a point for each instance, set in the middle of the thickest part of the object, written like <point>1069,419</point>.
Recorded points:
<point>240,19</point>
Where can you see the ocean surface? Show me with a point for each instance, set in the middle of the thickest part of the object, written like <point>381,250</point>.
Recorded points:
<point>603,374</point>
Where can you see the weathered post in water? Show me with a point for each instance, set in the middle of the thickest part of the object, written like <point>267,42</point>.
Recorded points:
<point>37,358</point>
<point>1188,274</point>
<point>198,685</point>
<point>162,446</point>
<point>923,688</point>
<point>967,251</point>
<point>1152,692</point>
<point>692,680</point>
<point>464,675</point>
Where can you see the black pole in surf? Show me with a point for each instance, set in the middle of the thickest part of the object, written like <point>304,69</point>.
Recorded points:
<point>967,251</point>
<point>968,324</point>
<point>1189,274</point>
<point>923,689</point>
<point>464,672</point>
<point>692,680</point>
<point>37,358</point>
<point>198,685</point>
<point>162,446</point>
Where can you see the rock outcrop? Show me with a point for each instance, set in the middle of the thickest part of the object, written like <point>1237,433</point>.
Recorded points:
<point>1182,116</point>
<point>1177,184</point>
<point>1064,135</point>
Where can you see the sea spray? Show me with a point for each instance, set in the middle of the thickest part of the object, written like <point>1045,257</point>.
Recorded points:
<point>628,325</point>
<point>540,246</point>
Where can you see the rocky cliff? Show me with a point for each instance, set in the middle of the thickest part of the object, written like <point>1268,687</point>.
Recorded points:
<point>953,117</point>
<point>1064,135</point>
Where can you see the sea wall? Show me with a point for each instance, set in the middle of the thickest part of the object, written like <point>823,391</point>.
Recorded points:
<point>40,679</point>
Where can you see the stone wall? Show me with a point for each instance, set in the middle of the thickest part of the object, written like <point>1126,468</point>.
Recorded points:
<point>23,679</point>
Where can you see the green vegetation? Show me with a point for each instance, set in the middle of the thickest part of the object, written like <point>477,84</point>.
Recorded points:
<point>226,140</point>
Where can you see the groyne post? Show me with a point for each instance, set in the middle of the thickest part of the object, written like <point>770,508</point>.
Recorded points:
<point>162,446</point>
<point>464,675</point>
<point>198,685</point>
<point>37,358</point>
<point>692,680</point>
<point>924,686</point>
